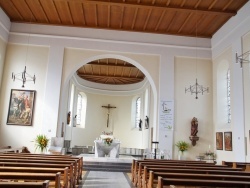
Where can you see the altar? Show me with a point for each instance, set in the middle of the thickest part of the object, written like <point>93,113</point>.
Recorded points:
<point>102,149</point>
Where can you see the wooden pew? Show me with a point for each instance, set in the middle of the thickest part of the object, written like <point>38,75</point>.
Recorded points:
<point>138,174</point>
<point>136,165</point>
<point>43,165</point>
<point>63,171</point>
<point>244,165</point>
<point>46,160</point>
<point>149,179</point>
<point>32,176</point>
<point>50,156</point>
<point>44,184</point>
<point>155,175</point>
<point>162,182</point>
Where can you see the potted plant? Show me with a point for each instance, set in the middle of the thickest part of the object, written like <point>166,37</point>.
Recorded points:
<point>41,143</point>
<point>182,146</point>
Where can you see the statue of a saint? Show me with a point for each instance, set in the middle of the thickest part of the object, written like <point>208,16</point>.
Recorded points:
<point>194,126</point>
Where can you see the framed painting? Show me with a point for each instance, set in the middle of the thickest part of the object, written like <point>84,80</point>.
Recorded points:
<point>219,140</point>
<point>228,141</point>
<point>21,107</point>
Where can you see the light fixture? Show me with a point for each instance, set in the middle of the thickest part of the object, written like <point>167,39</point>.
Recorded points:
<point>196,88</point>
<point>244,58</point>
<point>24,76</point>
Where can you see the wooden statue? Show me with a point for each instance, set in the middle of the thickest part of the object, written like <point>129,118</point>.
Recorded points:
<point>194,126</point>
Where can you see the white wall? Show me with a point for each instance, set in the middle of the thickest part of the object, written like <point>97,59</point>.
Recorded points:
<point>15,135</point>
<point>230,37</point>
<point>2,58</point>
<point>96,121</point>
<point>246,82</point>
<point>187,107</point>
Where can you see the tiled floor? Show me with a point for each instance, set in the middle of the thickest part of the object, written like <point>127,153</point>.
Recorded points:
<point>102,179</point>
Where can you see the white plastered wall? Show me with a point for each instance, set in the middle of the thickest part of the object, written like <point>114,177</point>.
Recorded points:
<point>187,107</point>
<point>15,135</point>
<point>246,82</point>
<point>230,37</point>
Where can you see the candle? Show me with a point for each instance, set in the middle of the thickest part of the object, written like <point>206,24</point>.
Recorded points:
<point>209,146</point>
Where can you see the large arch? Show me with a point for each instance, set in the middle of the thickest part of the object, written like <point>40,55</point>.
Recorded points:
<point>73,68</point>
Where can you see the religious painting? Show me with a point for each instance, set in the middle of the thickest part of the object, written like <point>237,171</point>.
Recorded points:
<point>219,140</point>
<point>228,141</point>
<point>21,107</point>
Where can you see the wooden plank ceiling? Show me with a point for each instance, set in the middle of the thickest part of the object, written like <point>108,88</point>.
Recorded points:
<point>196,18</point>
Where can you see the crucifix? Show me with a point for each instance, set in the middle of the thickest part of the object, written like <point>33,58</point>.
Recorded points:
<point>108,107</point>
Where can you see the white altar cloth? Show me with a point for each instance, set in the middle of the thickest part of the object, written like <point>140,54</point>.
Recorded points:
<point>102,149</point>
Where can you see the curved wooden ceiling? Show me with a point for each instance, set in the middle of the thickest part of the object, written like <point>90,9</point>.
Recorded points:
<point>175,17</point>
<point>111,71</point>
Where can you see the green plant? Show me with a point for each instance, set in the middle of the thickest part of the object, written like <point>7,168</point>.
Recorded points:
<point>209,153</point>
<point>182,146</point>
<point>41,142</point>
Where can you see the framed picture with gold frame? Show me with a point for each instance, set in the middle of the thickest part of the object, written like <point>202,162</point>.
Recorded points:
<point>21,107</point>
<point>219,140</point>
<point>228,141</point>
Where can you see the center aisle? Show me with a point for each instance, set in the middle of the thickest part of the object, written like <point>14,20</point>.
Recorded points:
<point>102,179</point>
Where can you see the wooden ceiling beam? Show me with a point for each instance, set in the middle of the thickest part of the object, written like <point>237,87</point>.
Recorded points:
<point>14,7</point>
<point>96,16</point>
<point>83,15</point>
<point>146,22</point>
<point>46,16</point>
<point>70,13</point>
<point>185,22</point>
<point>212,4</point>
<point>135,16</point>
<point>197,4</point>
<point>172,20</point>
<point>90,76</point>
<point>227,5</point>
<point>168,2</point>
<point>108,25</point>
<point>58,16</point>
<point>155,7</point>
<point>159,21</point>
<point>183,3</point>
<point>111,65</point>
<point>122,17</point>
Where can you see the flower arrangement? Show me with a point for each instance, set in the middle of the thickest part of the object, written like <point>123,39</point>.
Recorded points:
<point>209,153</point>
<point>108,141</point>
<point>182,146</point>
<point>41,142</point>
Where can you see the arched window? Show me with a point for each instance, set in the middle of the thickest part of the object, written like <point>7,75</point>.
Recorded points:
<point>137,112</point>
<point>81,109</point>
<point>228,97</point>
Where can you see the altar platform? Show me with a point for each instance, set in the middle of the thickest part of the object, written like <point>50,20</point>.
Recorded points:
<point>121,164</point>
<point>121,159</point>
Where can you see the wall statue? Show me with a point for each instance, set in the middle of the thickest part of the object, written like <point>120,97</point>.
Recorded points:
<point>194,126</point>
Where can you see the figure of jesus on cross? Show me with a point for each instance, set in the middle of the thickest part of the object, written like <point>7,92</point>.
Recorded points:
<point>108,107</point>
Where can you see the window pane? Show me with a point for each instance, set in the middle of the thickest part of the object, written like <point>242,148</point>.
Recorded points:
<point>79,109</point>
<point>138,112</point>
<point>228,98</point>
